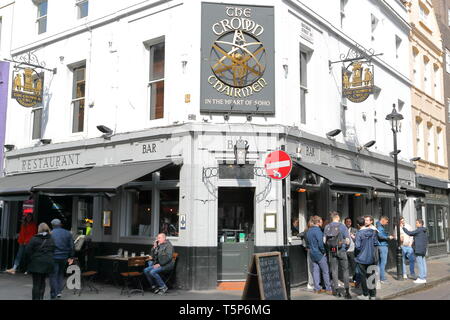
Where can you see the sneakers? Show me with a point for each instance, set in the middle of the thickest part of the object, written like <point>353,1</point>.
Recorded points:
<point>385,282</point>
<point>11,271</point>
<point>162,290</point>
<point>309,287</point>
<point>420,281</point>
<point>405,276</point>
<point>362,297</point>
<point>59,295</point>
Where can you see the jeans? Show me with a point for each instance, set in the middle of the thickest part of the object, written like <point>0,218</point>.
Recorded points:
<point>38,286</point>
<point>383,250</point>
<point>153,274</point>
<point>422,265</point>
<point>20,253</point>
<point>368,285</point>
<point>57,277</point>
<point>408,253</point>
<point>351,265</point>
<point>321,267</point>
<point>339,261</point>
<point>310,269</point>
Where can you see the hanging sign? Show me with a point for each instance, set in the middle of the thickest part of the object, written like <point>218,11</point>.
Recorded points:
<point>237,65</point>
<point>27,87</point>
<point>357,81</point>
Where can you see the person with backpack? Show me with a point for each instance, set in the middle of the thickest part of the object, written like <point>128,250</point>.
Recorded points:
<point>366,243</point>
<point>39,254</point>
<point>338,241</point>
<point>420,246</point>
<point>318,255</point>
<point>383,249</point>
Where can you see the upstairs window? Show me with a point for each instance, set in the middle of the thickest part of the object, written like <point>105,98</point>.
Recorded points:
<point>398,44</point>
<point>343,4</point>
<point>41,21</point>
<point>82,8</point>
<point>78,98</point>
<point>447,60</point>
<point>156,80</point>
<point>423,14</point>
<point>303,84</point>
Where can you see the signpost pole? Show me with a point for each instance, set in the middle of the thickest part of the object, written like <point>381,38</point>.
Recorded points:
<point>286,267</point>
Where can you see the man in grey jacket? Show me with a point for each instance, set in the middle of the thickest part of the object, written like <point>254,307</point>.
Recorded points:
<point>161,261</point>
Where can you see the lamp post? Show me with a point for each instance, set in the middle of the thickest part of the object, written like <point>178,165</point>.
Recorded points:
<point>394,118</point>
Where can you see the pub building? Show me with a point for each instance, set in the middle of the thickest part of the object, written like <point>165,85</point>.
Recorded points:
<point>198,173</point>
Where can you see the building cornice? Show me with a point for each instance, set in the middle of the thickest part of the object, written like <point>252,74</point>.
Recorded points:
<point>426,40</point>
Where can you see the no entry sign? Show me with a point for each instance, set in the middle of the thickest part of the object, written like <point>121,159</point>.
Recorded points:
<point>278,165</point>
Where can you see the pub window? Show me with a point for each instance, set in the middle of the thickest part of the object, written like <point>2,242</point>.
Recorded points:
<point>170,173</point>
<point>37,110</point>
<point>303,84</point>
<point>82,8</point>
<point>168,212</point>
<point>156,80</point>
<point>85,215</point>
<point>41,20</point>
<point>141,213</point>
<point>78,98</point>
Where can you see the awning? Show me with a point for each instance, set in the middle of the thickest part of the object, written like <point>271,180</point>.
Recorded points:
<point>409,190</point>
<point>102,179</point>
<point>19,187</point>
<point>432,182</point>
<point>343,179</point>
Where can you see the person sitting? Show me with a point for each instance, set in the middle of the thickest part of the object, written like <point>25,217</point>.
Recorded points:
<point>160,262</point>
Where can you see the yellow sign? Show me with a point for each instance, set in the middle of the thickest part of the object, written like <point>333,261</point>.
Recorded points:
<point>27,87</point>
<point>357,81</point>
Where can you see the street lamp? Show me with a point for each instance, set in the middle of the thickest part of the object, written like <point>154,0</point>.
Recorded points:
<point>394,118</point>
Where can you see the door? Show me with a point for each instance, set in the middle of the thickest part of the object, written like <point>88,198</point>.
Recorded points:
<point>235,233</point>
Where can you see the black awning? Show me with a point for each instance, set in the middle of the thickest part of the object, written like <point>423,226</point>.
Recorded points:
<point>20,186</point>
<point>405,188</point>
<point>340,178</point>
<point>102,179</point>
<point>432,182</point>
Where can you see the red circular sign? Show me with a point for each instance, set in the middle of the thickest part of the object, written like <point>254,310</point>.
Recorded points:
<point>278,165</point>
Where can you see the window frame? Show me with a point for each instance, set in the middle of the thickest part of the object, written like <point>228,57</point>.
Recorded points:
<point>43,17</point>
<point>78,4</point>
<point>74,100</point>
<point>304,57</point>
<point>153,82</point>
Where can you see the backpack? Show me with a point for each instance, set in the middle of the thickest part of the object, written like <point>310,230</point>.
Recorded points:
<point>333,238</point>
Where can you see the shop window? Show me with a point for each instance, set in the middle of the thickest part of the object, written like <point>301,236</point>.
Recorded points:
<point>41,21</point>
<point>141,213</point>
<point>168,208</point>
<point>78,98</point>
<point>85,216</point>
<point>156,80</point>
<point>170,173</point>
<point>82,8</point>
<point>431,224</point>
<point>295,213</point>
<point>440,218</point>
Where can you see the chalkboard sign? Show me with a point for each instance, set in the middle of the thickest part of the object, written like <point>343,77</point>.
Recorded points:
<point>265,279</point>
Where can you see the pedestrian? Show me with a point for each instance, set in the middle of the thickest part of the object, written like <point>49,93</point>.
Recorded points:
<point>420,246</point>
<point>338,241</point>
<point>302,235</point>
<point>64,252</point>
<point>351,251</point>
<point>39,254</point>
<point>318,256</point>
<point>407,249</point>
<point>366,243</point>
<point>294,227</point>
<point>383,248</point>
<point>28,230</point>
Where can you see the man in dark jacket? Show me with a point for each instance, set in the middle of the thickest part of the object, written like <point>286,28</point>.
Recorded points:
<point>63,253</point>
<point>161,261</point>
<point>338,241</point>
<point>365,246</point>
<point>39,254</point>
<point>420,246</point>
<point>318,256</point>
<point>383,248</point>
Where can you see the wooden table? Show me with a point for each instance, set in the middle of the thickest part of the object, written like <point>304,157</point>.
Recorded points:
<point>115,257</point>
<point>115,267</point>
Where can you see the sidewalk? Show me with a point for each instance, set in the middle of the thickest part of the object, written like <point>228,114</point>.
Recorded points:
<point>18,287</point>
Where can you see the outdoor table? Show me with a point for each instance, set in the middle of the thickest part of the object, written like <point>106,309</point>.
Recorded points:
<point>116,260</point>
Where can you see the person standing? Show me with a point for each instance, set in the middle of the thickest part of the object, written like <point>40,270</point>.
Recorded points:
<point>383,248</point>
<point>39,254</point>
<point>161,261</point>
<point>64,252</point>
<point>302,235</point>
<point>338,240</point>
<point>28,229</point>
<point>318,255</point>
<point>366,243</point>
<point>407,250</point>
<point>420,246</point>
<point>351,250</point>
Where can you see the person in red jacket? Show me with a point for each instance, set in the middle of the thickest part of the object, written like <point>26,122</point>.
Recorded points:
<point>27,230</point>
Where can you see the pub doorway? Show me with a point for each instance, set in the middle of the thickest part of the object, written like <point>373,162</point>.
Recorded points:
<point>236,232</point>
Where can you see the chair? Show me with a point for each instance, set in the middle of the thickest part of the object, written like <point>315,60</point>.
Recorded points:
<point>167,276</point>
<point>87,280</point>
<point>135,263</point>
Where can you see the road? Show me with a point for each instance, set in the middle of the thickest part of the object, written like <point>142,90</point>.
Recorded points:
<point>440,292</point>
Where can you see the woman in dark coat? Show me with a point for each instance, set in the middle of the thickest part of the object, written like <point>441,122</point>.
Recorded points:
<point>40,259</point>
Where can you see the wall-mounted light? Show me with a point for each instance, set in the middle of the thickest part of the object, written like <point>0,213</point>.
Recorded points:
<point>226,117</point>
<point>9,147</point>
<point>107,132</point>
<point>415,159</point>
<point>46,141</point>
<point>240,151</point>
<point>249,118</point>
<point>393,153</point>
<point>369,144</point>
<point>286,67</point>
<point>301,190</point>
<point>333,133</point>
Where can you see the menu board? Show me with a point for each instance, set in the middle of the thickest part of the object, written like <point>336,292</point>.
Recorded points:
<point>265,279</point>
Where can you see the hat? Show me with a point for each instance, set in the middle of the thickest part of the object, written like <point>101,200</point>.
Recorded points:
<point>56,222</point>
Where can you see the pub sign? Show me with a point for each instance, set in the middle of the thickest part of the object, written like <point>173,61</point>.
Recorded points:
<point>27,87</point>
